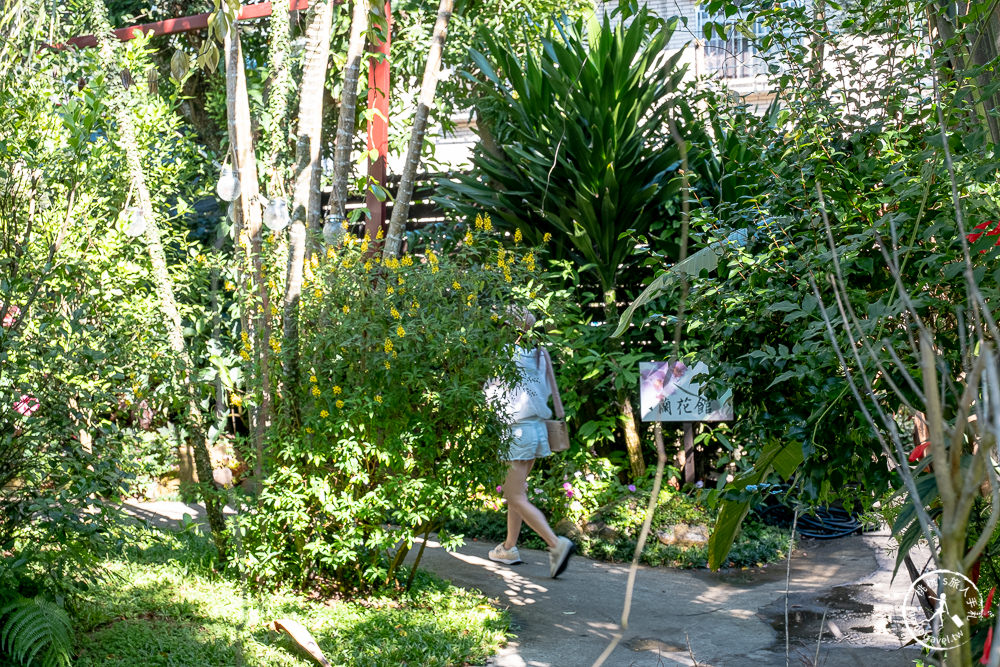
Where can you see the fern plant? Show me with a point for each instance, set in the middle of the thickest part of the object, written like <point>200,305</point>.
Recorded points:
<point>35,631</point>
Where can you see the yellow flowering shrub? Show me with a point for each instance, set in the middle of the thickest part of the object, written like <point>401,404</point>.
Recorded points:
<point>396,412</point>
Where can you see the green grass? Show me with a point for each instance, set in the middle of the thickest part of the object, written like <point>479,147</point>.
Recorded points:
<point>757,543</point>
<point>163,604</point>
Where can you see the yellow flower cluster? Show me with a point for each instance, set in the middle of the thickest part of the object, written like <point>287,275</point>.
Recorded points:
<point>484,223</point>
<point>368,266</point>
<point>313,261</point>
<point>245,352</point>
<point>229,287</point>
<point>387,364</point>
<point>470,299</point>
<point>433,261</point>
<point>346,309</point>
<point>406,261</point>
<point>378,398</point>
<point>337,390</point>
<point>399,331</point>
<point>392,263</point>
<point>380,234</point>
<point>390,290</point>
<point>324,414</point>
<point>339,404</point>
<point>316,391</point>
<point>468,238</point>
<point>312,378</point>
<point>364,244</point>
<point>529,261</point>
<point>330,252</point>
<point>495,317</point>
<point>274,310</point>
<point>318,293</point>
<point>455,285</point>
<point>546,237</point>
<point>395,313</point>
<point>387,346</point>
<point>275,344</point>
<point>236,400</point>
<point>309,430</point>
<point>517,235</point>
<point>400,281</point>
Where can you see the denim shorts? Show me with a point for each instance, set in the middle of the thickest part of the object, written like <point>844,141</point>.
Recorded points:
<point>529,440</point>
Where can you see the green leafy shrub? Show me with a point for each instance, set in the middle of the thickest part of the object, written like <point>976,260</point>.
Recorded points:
<point>396,430</point>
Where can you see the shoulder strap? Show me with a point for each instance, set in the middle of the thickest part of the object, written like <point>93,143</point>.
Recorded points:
<point>551,375</point>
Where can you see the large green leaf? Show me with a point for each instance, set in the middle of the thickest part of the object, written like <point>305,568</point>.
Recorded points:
<point>782,458</point>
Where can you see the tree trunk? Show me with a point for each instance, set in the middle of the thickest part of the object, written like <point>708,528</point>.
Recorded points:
<point>277,101</point>
<point>401,207</point>
<point>257,309</point>
<point>345,122</point>
<point>165,292</point>
<point>633,443</point>
<point>305,205</point>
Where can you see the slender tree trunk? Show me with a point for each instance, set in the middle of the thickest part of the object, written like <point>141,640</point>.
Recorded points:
<point>277,101</point>
<point>305,205</point>
<point>345,121</point>
<point>258,307</point>
<point>432,70</point>
<point>164,288</point>
<point>633,443</point>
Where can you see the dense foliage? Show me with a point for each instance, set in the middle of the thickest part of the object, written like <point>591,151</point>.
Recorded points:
<point>396,427</point>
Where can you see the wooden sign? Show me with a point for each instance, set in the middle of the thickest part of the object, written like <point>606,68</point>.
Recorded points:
<point>668,393</point>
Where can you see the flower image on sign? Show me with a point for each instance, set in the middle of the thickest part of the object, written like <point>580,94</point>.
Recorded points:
<point>668,393</point>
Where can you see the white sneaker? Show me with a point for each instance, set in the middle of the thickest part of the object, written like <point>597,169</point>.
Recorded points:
<point>559,556</point>
<point>505,556</point>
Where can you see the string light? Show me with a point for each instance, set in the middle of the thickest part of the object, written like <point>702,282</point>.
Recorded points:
<point>228,187</point>
<point>276,214</point>
<point>135,221</point>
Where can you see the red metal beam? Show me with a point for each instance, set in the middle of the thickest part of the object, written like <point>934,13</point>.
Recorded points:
<point>186,23</point>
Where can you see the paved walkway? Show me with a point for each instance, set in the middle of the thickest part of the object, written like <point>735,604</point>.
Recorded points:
<point>681,617</point>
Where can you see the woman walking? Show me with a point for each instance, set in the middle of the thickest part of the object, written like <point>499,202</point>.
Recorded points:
<point>525,407</point>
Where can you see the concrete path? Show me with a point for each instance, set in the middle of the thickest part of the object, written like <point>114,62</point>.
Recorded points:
<point>681,617</point>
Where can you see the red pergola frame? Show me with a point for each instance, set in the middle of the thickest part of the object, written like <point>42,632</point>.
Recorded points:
<point>378,85</point>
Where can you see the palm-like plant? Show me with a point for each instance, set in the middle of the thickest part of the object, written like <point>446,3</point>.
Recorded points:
<point>574,139</point>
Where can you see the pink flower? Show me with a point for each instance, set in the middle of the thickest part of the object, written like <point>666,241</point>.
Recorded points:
<point>569,493</point>
<point>12,313</point>
<point>567,486</point>
<point>631,487</point>
<point>499,489</point>
<point>27,405</point>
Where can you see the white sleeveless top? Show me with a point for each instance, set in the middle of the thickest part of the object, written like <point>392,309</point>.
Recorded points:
<point>527,400</point>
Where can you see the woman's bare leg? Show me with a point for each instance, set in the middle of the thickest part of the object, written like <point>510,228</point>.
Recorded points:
<point>514,518</point>
<point>519,508</point>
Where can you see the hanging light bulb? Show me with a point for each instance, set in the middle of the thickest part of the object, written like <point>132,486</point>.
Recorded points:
<point>276,214</point>
<point>228,187</point>
<point>135,221</point>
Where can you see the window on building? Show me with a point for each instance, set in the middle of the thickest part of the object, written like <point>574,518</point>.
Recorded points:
<point>733,58</point>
